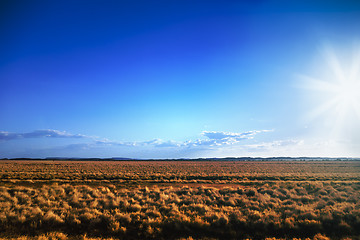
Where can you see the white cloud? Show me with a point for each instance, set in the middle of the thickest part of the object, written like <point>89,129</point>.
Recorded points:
<point>169,143</point>
<point>273,145</point>
<point>210,141</point>
<point>107,142</point>
<point>296,148</point>
<point>46,133</point>
<point>210,144</point>
<point>218,138</point>
<point>218,135</point>
<point>154,142</point>
<point>213,138</point>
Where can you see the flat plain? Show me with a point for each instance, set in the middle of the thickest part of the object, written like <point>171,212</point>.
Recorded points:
<point>179,199</point>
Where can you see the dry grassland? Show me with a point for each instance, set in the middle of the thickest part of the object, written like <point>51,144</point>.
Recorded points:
<point>179,200</point>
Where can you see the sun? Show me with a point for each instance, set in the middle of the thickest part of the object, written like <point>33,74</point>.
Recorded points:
<point>336,93</point>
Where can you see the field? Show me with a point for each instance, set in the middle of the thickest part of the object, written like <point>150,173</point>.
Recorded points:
<point>179,199</point>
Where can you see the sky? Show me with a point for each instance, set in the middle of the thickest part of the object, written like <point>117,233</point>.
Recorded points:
<point>179,79</point>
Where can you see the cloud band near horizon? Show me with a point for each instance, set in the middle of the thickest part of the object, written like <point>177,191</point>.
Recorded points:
<point>212,138</point>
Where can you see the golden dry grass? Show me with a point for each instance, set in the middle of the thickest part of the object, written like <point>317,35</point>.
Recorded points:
<point>179,200</point>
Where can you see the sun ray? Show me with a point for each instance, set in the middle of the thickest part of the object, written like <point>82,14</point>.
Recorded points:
<point>321,109</point>
<point>340,120</point>
<point>355,66</point>
<point>334,63</point>
<point>311,83</point>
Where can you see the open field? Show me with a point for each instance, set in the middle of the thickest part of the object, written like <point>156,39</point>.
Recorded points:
<point>180,199</point>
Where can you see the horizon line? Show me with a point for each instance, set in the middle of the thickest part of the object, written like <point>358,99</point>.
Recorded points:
<point>184,159</point>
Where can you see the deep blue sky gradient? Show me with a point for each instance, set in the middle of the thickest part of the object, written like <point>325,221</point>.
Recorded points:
<point>141,70</point>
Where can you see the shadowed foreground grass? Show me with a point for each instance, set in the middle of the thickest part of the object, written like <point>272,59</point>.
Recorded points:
<point>32,207</point>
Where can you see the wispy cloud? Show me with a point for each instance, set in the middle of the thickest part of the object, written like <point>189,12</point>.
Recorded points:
<point>208,144</point>
<point>212,138</point>
<point>270,146</point>
<point>218,135</point>
<point>154,142</point>
<point>218,138</point>
<point>46,133</point>
<point>90,146</point>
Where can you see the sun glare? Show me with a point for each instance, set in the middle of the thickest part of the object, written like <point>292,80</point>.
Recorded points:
<point>337,92</point>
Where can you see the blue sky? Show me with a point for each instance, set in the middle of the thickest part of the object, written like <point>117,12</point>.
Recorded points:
<point>172,79</point>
